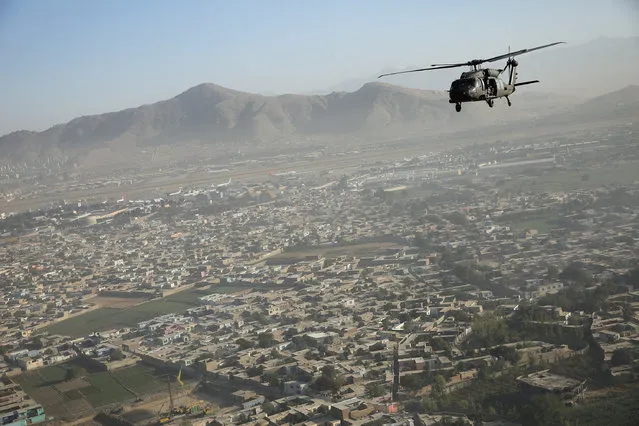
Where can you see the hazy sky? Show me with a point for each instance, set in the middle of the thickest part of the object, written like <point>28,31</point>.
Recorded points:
<point>64,58</point>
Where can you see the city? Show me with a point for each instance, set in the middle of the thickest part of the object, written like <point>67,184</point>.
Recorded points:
<point>494,283</point>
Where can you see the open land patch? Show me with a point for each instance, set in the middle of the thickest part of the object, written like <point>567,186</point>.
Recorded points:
<point>117,302</point>
<point>251,173</point>
<point>85,395</point>
<point>113,318</point>
<point>332,251</point>
<point>543,226</point>
<point>148,410</point>
<point>71,385</point>
<point>570,180</point>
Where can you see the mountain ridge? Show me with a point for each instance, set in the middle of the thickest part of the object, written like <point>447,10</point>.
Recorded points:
<point>211,114</point>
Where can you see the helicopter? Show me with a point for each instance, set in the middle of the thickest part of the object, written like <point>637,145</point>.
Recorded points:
<point>483,84</point>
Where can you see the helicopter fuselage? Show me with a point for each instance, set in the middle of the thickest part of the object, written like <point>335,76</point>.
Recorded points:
<point>479,85</point>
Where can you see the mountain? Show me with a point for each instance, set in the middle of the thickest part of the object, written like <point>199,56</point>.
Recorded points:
<point>618,105</point>
<point>211,114</point>
<point>583,70</point>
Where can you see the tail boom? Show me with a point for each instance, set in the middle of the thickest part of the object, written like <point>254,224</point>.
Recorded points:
<point>524,83</point>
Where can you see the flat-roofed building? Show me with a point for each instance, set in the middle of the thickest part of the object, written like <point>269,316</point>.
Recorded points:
<point>16,407</point>
<point>544,382</point>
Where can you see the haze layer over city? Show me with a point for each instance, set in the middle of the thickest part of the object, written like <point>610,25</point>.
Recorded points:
<point>216,213</point>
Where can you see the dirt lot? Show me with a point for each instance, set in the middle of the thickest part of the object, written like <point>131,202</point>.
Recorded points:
<point>117,302</point>
<point>361,249</point>
<point>149,409</point>
<point>72,385</point>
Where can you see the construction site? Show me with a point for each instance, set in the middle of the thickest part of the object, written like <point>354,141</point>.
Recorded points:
<point>181,402</point>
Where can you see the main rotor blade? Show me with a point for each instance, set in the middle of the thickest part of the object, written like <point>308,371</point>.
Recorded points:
<point>422,69</point>
<point>450,65</point>
<point>521,52</point>
<point>475,62</point>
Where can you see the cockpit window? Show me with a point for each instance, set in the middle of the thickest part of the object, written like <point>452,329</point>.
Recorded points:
<point>465,83</point>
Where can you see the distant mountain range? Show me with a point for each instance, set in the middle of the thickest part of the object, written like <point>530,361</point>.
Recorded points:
<point>211,114</point>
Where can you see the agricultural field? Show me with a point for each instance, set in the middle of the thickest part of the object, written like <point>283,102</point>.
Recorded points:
<point>87,391</point>
<point>570,180</point>
<point>543,226</point>
<point>117,302</point>
<point>141,379</point>
<point>110,318</point>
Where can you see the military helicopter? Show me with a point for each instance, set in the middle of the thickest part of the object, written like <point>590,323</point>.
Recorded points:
<point>483,84</point>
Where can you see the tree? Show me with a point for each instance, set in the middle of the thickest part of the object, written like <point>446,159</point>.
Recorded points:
<point>543,410</point>
<point>271,378</point>
<point>439,344</point>
<point>633,277</point>
<point>438,388</point>
<point>373,390</point>
<point>275,354</point>
<point>117,355</point>
<point>507,353</point>
<point>330,379</point>
<point>244,344</point>
<point>456,218</point>
<point>266,340</point>
<point>290,332</point>
<point>489,330</point>
<point>627,312</point>
<point>429,405</point>
<point>460,316</point>
<point>422,242</point>
<point>70,374</point>
<point>622,356</point>
<point>36,343</point>
<point>574,272</point>
<point>552,272</point>
<point>255,371</point>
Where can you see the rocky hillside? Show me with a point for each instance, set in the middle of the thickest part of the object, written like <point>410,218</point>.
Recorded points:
<point>212,114</point>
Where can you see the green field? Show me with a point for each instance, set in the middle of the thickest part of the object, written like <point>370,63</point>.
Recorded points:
<point>570,180</point>
<point>110,318</point>
<point>51,374</point>
<point>90,390</point>
<point>543,226</point>
<point>141,379</point>
<point>106,390</point>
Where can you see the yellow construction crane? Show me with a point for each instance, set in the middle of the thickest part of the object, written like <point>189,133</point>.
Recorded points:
<point>168,418</point>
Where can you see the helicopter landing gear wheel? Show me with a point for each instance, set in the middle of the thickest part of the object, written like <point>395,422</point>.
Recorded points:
<point>457,107</point>
<point>508,100</point>
<point>490,102</point>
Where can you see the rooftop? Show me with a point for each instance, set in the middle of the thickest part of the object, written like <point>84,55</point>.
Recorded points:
<point>548,381</point>
<point>13,398</point>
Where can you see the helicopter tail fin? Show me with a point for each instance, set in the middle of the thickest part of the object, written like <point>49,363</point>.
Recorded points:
<point>523,83</point>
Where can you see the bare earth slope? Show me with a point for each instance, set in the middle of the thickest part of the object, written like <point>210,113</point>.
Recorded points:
<point>208,115</point>
<point>213,114</point>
